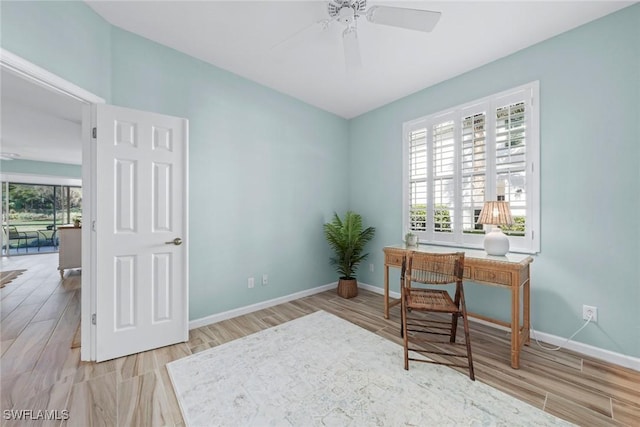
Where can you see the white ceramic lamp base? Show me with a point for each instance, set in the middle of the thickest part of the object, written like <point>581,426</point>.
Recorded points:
<point>496,242</point>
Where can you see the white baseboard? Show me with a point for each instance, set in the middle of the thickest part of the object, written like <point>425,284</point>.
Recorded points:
<point>589,350</point>
<point>586,349</point>
<point>378,290</point>
<point>219,317</point>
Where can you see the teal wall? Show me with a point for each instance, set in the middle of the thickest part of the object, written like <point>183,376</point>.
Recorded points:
<point>590,152</point>
<point>41,168</point>
<point>66,38</point>
<point>267,170</point>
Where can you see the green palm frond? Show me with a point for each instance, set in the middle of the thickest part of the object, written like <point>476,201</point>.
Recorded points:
<point>347,239</point>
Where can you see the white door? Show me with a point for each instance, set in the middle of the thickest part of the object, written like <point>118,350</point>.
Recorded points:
<point>141,229</point>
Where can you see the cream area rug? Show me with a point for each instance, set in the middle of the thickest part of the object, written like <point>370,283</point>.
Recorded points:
<point>320,370</point>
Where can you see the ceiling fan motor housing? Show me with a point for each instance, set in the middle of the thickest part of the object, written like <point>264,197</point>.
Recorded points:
<point>346,11</point>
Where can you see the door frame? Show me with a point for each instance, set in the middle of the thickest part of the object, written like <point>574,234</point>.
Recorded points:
<point>42,77</point>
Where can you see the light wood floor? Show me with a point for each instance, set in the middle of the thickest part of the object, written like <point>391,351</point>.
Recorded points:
<point>39,370</point>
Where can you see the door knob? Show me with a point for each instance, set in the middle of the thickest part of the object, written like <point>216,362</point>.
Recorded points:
<point>177,241</point>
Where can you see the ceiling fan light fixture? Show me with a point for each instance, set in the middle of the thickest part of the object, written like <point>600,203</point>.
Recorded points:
<point>347,16</point>
<point>346,11</point>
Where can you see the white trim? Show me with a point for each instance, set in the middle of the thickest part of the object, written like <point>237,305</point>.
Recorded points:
<point>27,178</point>
<point>589,350</point>
<point>219,317</point>
<point>89,242</point>
<point>185,221</point>
<point>378,290</point>
<point>46,79</point>
<point>584,349</point>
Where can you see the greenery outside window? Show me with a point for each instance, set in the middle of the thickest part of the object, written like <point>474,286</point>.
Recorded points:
<point>37,211</point>
<point>457,159</point>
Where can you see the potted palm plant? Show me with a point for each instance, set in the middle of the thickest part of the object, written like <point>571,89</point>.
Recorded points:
<point>347,238</point>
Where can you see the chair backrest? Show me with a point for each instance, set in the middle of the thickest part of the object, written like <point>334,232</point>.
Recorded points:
<point>434,268</point>
<point>13,232</point>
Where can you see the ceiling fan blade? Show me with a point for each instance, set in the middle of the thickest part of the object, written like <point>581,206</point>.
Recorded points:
<point>351,48</point>
<point>321,25</point>
<point>412,19</point>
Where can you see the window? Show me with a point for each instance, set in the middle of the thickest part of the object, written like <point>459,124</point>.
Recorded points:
<point>456,159</point>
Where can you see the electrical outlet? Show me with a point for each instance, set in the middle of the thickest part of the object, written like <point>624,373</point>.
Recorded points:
<point>251,282</point>
<point>589,310</point>
<point>265,280</point>
<point>371,267</point>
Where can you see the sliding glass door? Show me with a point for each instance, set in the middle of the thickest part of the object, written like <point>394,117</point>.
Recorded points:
<point>31,215</point>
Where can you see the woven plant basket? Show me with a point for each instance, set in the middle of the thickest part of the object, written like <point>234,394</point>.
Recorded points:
<point>348,288</point>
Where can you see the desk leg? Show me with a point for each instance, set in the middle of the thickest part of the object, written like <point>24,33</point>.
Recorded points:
<point>386,291</point>
<point>527,312</point>
<point>515,326</point>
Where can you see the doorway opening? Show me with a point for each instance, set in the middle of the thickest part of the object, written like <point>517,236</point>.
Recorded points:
<point>62,166</point>
<point>32,213</point>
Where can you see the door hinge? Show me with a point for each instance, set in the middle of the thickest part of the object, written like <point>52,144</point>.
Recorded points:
<point>94,132</point>
<point>93,319</point>
<point>93,225</point>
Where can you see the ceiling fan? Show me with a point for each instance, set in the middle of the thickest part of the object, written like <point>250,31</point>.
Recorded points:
<point>349,13</point>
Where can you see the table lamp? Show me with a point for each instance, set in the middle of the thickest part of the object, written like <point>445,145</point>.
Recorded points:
<point>496,213</point>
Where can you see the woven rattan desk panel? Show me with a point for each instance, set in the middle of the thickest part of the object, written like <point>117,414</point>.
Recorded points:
<point>510,272</point>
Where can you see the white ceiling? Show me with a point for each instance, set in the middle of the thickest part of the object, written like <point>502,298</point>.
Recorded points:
<point>245,37</point>
<point>37,123</point>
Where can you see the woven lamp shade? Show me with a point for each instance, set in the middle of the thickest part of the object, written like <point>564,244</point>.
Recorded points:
<point>496,213</point>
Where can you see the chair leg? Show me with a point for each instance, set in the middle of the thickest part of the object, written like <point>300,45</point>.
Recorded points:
<point>405,335</point>
<point>454,316</point>
<point>468,343</point>
<point>467,340</point>
<point>454,328</point>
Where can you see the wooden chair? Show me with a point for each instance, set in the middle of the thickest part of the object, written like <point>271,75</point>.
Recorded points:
<point>420,269</point>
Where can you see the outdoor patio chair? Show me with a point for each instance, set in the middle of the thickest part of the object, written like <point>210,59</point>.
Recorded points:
<point>48,239</point>
<point>11,232</point>
<point>26,236</point>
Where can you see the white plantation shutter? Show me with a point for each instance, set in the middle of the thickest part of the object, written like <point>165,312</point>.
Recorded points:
<point>443,178</point>
<point>473,169</point>
<point>454,161</point>
<point>418,179</point>
<point>511,150</point>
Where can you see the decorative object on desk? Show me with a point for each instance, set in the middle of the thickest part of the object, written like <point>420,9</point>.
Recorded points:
<point>77,221</point>
<point>347,238</point>
<point>411,239</point>
<point>496,213</point>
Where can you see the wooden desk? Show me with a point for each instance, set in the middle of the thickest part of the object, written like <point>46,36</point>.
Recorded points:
<point>510,272</point>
